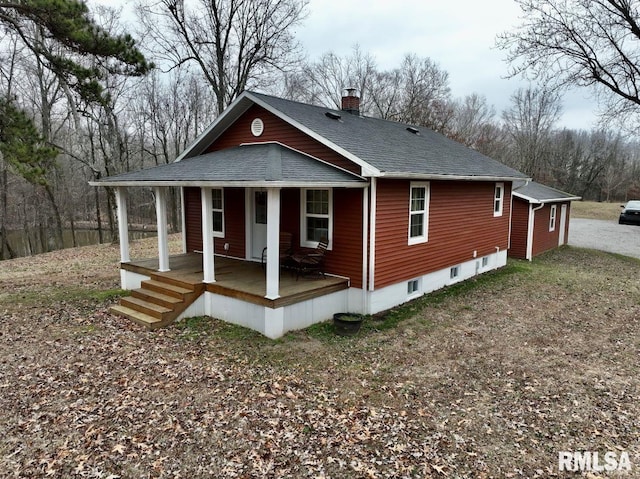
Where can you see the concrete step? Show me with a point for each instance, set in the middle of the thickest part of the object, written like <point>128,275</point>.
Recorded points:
<point>137,317</point>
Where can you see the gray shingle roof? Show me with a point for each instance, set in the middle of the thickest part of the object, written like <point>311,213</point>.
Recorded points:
<point>258,163</point>
<point>389,146</point>
<point>539,193</point>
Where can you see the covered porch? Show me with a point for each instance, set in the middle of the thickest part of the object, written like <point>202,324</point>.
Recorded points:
<point>236,203</point>
<point>239,279</point>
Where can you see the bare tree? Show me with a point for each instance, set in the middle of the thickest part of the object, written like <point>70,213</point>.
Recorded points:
<point>170,111</point>
<point>615,160</point>
<point>583,43</point>
<point>235,44</point>
<point>417,92</point>
<point>323,82</point>
<point>529,122</point>
<point>473,122</point>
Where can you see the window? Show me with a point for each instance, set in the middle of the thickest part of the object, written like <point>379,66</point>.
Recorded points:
<point>455,272</point>
<point>419,213</point>
<point>552,218</point>
<point>218,212</point>
<point>485,261</point>
<point>498,199</point>
<point>413,286</point>
<point>317,222</point>
<point>260,206</point>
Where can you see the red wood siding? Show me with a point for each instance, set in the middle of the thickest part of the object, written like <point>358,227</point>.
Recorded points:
<point>276,129</point>
<point>345,259</point>
<point>543,239</point>
<point>460,221</point>
<point>290,213</point>
<point>193,219</point>
<point>234,225</point>
<point>519,228</point>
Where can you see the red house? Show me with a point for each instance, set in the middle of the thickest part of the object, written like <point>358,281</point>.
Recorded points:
<point>539,220</point>
<point>405,211</point>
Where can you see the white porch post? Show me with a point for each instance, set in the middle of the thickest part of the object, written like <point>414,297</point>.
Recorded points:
<point>123,224</point>
<point>207,236</point>
<point>273,243</point>
<point>184,221</point>
<point>161,219</point>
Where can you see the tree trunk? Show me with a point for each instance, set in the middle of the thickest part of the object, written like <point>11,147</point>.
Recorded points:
<point>96,192</point>
<point>3,212</point>
<point>72,223</point>
<point>58,238</point>
<point>42,237</point>
<point>110,209</point>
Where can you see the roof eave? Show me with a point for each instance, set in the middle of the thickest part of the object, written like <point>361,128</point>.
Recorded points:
<point>559,200</point>
<point>431,176</point>
<point>234,184</point>
<point>204,139</point>
<point>547,200</point>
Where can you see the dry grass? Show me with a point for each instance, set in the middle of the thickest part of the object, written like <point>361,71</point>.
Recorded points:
<point>595,210</point>
<point>491,378</point>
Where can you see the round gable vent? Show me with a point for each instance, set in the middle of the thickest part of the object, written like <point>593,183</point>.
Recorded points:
<point>257,127</point>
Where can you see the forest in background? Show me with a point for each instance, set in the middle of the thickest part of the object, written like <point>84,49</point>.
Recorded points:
<point>204,54</point>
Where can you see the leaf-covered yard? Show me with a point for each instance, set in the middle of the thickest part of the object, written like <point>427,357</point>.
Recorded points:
<point>491,378</point>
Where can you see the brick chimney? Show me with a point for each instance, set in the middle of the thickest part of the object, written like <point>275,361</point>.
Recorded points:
<point>351,102</point>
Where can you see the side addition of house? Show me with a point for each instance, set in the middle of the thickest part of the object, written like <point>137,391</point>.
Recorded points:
<point>540,219</point>
<point>404,211</point>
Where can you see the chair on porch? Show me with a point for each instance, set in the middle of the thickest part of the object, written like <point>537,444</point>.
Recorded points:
<point>286,248</point>
<point>311,262</point>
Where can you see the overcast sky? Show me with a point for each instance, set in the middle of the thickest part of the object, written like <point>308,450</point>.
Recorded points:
<point>458,35</point>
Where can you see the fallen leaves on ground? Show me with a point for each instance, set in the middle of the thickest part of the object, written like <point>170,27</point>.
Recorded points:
<point>490,383</point>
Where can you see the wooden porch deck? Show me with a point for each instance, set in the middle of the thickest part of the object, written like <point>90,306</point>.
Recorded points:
<point>244,280</point>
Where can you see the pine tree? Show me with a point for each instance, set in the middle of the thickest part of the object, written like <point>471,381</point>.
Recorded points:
<point>22,146</point>
<point>69,24</point>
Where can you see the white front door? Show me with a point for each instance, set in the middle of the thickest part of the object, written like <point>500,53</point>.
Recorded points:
<point>258,223</point>
<point>563,224</point>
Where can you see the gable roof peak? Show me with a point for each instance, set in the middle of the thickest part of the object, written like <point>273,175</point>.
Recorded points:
<point>379,147</point>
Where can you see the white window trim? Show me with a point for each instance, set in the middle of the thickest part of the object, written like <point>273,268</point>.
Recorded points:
<point>218,234</point>
<point>303,218</point>
<point>552,218</point>
<point>425,213</point>
<point>498,212</point>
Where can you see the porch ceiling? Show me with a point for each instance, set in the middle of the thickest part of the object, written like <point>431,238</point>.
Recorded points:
<point>260,164</point>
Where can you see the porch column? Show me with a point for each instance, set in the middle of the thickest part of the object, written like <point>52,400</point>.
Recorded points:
<point>184,221</point>
<point>273,243</point>
<point>207,236</point>
<point>163,239</point>
<point>123,223</point>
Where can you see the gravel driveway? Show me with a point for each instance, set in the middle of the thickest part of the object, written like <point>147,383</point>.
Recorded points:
<point>605,235</point>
